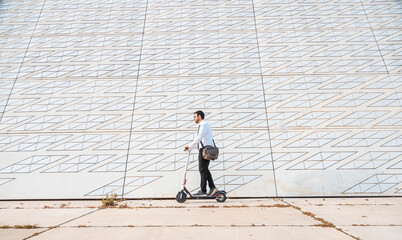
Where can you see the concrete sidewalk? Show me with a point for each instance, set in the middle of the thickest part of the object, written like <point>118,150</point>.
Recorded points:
<point>293,218</point>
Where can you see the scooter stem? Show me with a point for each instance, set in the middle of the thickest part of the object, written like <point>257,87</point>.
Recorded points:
<point>185,172</point>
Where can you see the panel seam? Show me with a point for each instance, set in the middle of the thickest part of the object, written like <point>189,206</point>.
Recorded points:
<point>135,96</point>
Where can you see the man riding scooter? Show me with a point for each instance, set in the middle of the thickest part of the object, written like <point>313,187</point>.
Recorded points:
<point>206,138</point>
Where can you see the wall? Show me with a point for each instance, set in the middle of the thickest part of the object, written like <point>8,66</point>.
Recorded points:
<point>96,96</point>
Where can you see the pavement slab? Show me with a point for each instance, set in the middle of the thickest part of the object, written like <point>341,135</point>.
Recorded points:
<point>40,217</point>
<point>195,233</point>
<point>375,232</point>
<point>199,203</point>
<point>358,214</point>
<point>49,204</point>
<point>210,216</point>
<point>343,201</point>
<point>18,234</point>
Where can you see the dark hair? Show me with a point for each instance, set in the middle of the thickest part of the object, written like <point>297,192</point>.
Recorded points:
<point>200,113</point>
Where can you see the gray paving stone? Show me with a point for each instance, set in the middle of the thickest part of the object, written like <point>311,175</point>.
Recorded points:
<point>17,234</point>
<point>195,233</point>
<point>40,217</point>
<point>194,216</point>
<point>375,232</point>
<point>358,214</point>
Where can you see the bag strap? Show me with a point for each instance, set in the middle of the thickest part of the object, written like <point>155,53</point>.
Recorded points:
<point>198,132</point>
<point>201,141</point>
<point>203,144</point>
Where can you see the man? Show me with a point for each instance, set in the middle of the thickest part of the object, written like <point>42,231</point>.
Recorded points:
<point>205,136</point>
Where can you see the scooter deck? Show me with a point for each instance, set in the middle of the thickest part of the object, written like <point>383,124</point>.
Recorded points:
<point>201,197</point>
<point>191,196</point>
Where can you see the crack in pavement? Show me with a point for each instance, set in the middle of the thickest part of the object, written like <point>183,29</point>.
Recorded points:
<point>58,225</point>
<point>324,223</point>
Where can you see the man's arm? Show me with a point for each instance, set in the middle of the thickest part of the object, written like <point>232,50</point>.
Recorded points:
<point>194,143</point>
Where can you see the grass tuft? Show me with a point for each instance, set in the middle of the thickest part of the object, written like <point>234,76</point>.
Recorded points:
<point>208,206</point>
<point>109,201</point>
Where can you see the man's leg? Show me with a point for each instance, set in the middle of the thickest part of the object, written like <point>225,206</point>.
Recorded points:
<point>203,168</point>
<point>210,180</point>
<point>208,175</point>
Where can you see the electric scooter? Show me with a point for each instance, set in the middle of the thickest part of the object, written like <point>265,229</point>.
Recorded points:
<point>181,196</point>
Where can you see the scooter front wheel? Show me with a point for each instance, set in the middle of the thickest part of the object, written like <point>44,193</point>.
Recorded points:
<point>181,197</point>
<point>221,197</point>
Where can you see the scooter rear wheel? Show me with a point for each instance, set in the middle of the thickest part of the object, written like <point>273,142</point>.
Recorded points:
<point>220,197</point>
<point>181,197</point>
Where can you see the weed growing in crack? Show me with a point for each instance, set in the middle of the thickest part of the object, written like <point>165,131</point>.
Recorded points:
<point>25,226</point>
<point>109,201</point>
<point>208,206</point>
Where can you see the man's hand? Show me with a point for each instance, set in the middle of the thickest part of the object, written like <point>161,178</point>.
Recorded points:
<point>186,148</point>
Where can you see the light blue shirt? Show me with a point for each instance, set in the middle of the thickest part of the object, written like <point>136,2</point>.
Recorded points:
<point>204,135</point>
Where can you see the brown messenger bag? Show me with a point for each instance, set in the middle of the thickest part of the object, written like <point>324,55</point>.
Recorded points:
<point>210,152</point>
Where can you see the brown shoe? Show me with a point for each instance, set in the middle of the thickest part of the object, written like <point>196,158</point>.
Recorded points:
<point>200,193</point>
<point>213,191</point>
